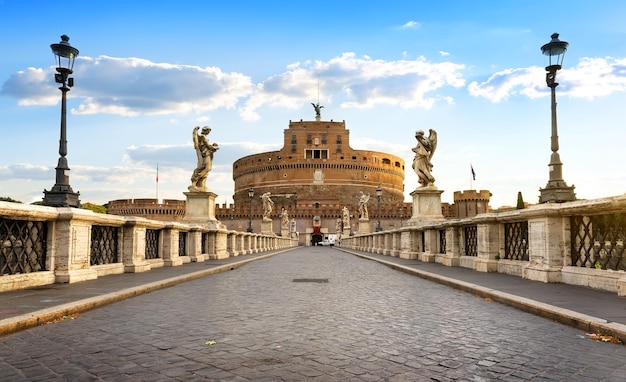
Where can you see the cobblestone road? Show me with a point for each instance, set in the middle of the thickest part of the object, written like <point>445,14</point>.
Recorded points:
<point>367,323</point>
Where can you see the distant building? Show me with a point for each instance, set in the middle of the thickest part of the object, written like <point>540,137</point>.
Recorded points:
<point>312,177</point>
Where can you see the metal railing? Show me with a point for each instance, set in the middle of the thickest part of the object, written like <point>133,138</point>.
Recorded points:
<point>104,245</point>
<point>182,243</point>
<point>22,246</point>
<point>470,235</point>
<point>516,241</point>
<point>152,243</point>
<point>598,241</point>
<point>442,241</point>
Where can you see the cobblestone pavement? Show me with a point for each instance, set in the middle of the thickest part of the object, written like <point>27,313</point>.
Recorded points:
<point>255,323</point>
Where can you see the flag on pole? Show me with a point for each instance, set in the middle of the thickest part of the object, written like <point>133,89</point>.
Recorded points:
<point>157,176</point>
<point>473,173</point>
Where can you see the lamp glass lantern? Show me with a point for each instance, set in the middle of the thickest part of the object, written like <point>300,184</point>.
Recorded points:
<point>65,54</point>
<point>555,51</point>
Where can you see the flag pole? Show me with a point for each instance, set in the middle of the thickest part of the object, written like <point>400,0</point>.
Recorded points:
<point>157,184</point>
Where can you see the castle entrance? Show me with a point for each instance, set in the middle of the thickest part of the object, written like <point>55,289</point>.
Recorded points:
<point>316,239</point>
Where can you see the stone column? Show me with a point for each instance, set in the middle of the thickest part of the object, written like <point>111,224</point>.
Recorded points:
<point>134,247</point>
<point>452,258</point>
<point>488,247</point>
<point>549,246</point>
<point>171,257</point>
<point>71,249</point>
<point>195,245</point>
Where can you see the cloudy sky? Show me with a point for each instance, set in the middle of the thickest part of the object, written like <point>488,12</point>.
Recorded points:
<point>149,71</point>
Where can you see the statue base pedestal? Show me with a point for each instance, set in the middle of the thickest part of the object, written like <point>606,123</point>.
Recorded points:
<point>284,232</point>
<point>364,226</point>
<point>266,227</point>
<point>201,208</point>
<point>346,232</point>
<point>426,206</point>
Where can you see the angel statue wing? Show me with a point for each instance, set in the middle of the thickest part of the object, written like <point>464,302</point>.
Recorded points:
<point>432,138</point>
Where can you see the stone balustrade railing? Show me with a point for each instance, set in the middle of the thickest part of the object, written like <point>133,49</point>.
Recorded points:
<point>45,245</point>
<point>579,243</point>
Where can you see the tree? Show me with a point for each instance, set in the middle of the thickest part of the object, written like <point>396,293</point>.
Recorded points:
<point>8,199</point>
<point>520,201</point>
<point>94,207</point>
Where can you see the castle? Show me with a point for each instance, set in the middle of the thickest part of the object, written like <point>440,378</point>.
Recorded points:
<point>311,179</point>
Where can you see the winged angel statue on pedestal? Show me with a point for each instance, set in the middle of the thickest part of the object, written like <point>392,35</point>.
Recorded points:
<point>423,154</point>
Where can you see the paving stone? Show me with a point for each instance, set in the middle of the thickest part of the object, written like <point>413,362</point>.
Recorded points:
<point>368,323</point>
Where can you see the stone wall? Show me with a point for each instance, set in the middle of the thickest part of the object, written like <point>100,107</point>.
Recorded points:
<point>70,244</point>
<point>536,243</point>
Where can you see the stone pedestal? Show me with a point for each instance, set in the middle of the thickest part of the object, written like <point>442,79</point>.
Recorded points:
<point>201,209</point>
<point>284,232</point>
<point>266,226</point>
<point>346,232</point>
<point>426,206</point>
<point>364,226</point>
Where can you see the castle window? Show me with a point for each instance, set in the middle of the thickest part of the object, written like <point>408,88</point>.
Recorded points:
<point>375,159</point>
<point>339,149</point>
<point>386,161</point>
<point>338,138</point>
<point>324,139</point>
<point>316,154</point>
<point>309,139</point>
<point>293,139</point>
<point>293,148</point>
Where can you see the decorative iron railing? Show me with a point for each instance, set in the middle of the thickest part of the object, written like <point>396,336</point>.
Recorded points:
<point>442,241</point>
<point>182,243</point>
<point>205,242</point>
<point>152,244</point>
<point>598,241</point>
<point>22,246</point>
<point>516,241</point>
<point>471,240</point>
<point>104,245</point>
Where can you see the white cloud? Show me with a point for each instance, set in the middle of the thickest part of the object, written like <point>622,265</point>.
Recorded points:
<point>362,81</point>
<point>590,78</point>
<point>132,86</point>
<point>411,25</point>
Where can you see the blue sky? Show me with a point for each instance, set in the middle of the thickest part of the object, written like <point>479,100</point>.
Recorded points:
<point>149,71</point>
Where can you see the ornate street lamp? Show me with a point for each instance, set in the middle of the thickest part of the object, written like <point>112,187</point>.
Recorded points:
<point>379,193</point>
<point>556,191</point>
<point>61,194</point>
<point>250,196</point>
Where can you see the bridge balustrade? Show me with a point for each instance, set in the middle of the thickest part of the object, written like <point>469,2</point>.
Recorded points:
<point>42,245</point>
<point>579,243</point>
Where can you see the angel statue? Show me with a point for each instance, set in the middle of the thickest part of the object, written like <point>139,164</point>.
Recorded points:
<point>423,154</point>
<point>318,109</point>
<point>268,203</point>
<point>363,199</point>
<point>204,152</point>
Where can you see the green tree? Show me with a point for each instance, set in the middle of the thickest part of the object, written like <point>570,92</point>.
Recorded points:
<point>94,207</point>
<point>8,199</point>
<point>520,201</point>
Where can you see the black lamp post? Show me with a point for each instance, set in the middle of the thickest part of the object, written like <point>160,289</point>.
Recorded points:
<point>379,193</point>
<point>250,196</point>
<point>61,194</point>
<point>556,190</point>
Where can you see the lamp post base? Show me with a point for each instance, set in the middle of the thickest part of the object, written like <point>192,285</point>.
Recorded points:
<point>61,198</point>
<point>557,192</point>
